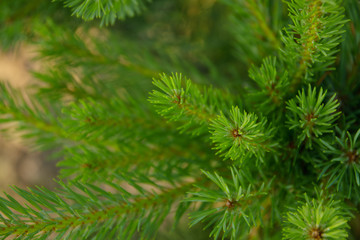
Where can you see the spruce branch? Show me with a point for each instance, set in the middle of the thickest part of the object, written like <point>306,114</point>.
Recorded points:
<point>254,14</point>
<point>253,6</point>
<point>242,136</point>
<point>86,66</point>
<point>340,163</point>
<point>36,121</point>
<point>272,87</point>
<point>67,87</point>
<point>310,115</point>
<point>118,120</point>
<point>85,49</point>
<point>15,27</point>
<point>230,210</point>
<point>88,211</point>
<point>168,163</point>
<point>310,43</point>
<point>317,219</point>
<point>107,10</point>
<point>31,117</point>
<point>121,127</point>
<point>180,100</point>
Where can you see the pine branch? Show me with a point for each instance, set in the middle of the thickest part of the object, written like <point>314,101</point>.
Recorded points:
<point>117,120</point>
<point>317,219</point>
<point>85,49</point>
<point>165,162</point>
<point>234,204</point>
<point>37,122</point>
<point>243,136</point>
<point>187,104</point>
<point>253,6</point>
<point>82,210</point>
<point>31,117</point>
<point>340,163</point>
<point>310,43</point>
<point>107,10</point>
<point>272,87</point>
<point>121,126</point>
<point>88,66</point>
<point>15,18</point>
<point>254,14</point>
<point>310,115</point>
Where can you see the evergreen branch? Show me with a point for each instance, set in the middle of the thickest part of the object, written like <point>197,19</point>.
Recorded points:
<point>84,65</point>
<point>255,15</point>
<point>107,10</point>
<point>273,88</point>
<point>310,43</point>
<point>121,127</point>
<point>243,136</point>
<point>317,219</point>
<point>31,117</point>
<point>234,204</point>
<point>186,104</point>
<point>36,122</point>
<point>24,11</point>
<point>340,164</point>
<point>310,36</point>
<point>310,115</point>
<point>166,162</point>
<point>114,120</point>
<point>253,6</point>
<point>67,87</point>
<point>91,209</point>
<point>18,18</point>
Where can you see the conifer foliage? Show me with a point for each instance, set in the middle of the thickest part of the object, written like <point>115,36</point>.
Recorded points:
<point>238,117</point>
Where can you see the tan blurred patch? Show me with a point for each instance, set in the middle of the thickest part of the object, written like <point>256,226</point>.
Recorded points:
<point>16,66</point>
<point>18,164</point>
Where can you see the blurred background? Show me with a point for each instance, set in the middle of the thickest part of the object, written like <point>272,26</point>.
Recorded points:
<point>19,164</point>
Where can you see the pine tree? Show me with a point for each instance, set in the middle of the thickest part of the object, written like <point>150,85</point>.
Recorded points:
<point>240,116</point>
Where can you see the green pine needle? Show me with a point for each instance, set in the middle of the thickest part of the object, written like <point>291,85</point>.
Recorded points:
<point>235,202</point>
<point>242,136</point>
<point>316,220</point>
<point>310,115</point>
<point>107,10</point>
<point>340,164</point>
